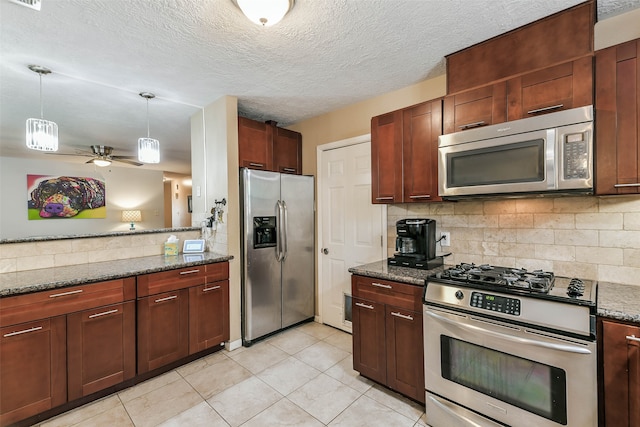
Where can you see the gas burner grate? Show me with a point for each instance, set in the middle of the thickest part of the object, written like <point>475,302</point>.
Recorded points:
<point>518,278</point>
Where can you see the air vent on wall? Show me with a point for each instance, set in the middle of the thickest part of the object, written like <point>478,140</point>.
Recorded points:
<point>33,4</point>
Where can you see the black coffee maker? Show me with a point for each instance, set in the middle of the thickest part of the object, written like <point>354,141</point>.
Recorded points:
<point>416,244</point>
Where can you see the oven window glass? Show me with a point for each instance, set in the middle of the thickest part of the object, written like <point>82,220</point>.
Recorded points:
<point>509,163</point>
<point>529,385</point>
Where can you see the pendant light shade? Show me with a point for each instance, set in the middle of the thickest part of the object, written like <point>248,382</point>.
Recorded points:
<point>148,148</point>
<point>265,12</point>
<point>41,134</point>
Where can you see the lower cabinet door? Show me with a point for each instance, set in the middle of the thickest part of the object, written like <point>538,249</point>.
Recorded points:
<point>101,348</point>
<point>208,315</point>
<point>32,368</point>
<point>163,329</point>
<point>405,352</point>
<point>368,329</point>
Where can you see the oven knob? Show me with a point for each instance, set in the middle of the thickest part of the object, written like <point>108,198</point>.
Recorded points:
<point>459,294</point>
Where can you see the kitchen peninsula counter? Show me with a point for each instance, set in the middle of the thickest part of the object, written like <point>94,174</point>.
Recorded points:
<point>615,301</point>
<point>23,282</point>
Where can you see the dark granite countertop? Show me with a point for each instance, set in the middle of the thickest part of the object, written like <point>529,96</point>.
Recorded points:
<point>93,235</point>
<point>380,270</point>
<point>619,302</point>
<point>22,282</point>
<point>615,301</point>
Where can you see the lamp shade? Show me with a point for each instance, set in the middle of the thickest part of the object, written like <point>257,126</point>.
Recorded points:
<point>42,135</point>
<point>265,12</point>
<point>148,150</point>
<point>131,216</point>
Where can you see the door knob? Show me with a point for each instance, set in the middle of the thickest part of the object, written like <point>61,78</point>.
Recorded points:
<point>325,251</point>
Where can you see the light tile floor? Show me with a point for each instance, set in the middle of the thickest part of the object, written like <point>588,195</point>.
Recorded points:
<point>300,377</point>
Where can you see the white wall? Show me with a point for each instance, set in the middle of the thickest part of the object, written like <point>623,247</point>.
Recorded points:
<point>126,188</point>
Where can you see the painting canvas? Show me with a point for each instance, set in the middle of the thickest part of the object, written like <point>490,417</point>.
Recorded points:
<point>65,197</point>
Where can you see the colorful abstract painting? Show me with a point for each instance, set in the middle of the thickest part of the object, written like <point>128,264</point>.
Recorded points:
<point>65,197</point>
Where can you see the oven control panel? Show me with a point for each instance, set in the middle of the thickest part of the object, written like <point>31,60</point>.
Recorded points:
<point>495,303</point>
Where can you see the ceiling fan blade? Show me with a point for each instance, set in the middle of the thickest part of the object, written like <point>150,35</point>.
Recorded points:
<point>124,157</point>
<point>71,154</point>
<point>130,162</point>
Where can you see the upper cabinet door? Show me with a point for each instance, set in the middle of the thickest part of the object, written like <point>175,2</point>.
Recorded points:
<point>484,106</point>
<point>287,151</point>
<point>255,145</point>
<point>422,124</point>
<point>386,158</point>
<point>561,87</point>
<point>617,159</point>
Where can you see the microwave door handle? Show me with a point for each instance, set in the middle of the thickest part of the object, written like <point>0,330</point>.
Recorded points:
<point>474,328</point>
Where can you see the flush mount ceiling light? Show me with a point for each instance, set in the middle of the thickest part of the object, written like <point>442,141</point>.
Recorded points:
<point>42,134</point>
<point>148,148</point>
<point>265,12</point>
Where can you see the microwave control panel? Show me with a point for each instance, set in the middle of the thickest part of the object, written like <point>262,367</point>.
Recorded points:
<point>576,156</point>
<point>495,303</point>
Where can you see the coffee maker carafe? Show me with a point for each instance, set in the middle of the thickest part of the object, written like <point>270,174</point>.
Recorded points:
<point>416,244</point>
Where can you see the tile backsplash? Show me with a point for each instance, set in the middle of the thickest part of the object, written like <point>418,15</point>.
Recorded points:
<point>56,253</point>
<point>588,237</point>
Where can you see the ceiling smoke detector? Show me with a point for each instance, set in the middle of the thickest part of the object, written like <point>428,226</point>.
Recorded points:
<point>32,4</point>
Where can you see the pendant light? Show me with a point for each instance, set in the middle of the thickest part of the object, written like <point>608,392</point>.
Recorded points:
<point>148,148</point>
<point>42,134</point>
<point>265,12</point>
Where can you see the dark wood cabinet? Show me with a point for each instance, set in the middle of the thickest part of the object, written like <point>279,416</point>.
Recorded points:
<point>617,153</point>
<point>163,329</point>
<point>369,354</point>
<point>620,360</point>
<point>474,108</point>
<point>387,334</point>
<point>33,367</point>
<point>265,146</point>
<point>208,315</point>
<point>561,87</point>
<point>101,348</point>
<point>287,151</point>
<point>386,158</point>
<point>422,125</point>
<point>404,154</point>
<point>255,144</point>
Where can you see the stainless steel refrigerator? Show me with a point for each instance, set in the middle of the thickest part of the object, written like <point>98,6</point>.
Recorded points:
<point>278,268</point>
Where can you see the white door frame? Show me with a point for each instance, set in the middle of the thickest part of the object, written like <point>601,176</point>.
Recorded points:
<point>319,149</point>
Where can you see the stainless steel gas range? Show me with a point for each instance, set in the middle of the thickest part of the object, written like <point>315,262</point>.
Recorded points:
<point>509,347</point>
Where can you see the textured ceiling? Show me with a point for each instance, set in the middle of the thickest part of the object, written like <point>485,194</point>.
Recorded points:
<point>325,54</point>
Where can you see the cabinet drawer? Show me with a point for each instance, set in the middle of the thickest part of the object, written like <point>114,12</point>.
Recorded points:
<point>55,302</point>
<point>167,281</point>
<point>217,271</point>
<point>398,294</point>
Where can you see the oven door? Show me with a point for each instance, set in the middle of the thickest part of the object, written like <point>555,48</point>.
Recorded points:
<point>510,374</point>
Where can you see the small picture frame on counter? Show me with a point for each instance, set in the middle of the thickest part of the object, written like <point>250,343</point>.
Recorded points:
<point>193,246</point>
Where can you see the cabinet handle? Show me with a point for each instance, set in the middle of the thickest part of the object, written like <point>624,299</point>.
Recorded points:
<point>189,272</point>
<point>359,304</point>
<point>637,184</point>
<point>64,294</point>
<point>472,125</point>
<point>210,289</point>
<point>402,316</point>
<point>629,337</point>
<point>542,110</point>
<point>384,198</point>
<point>422,196</point>
<point>104,313</point>
<point>288,169</point>
<point>167,298</point>
<point>26,331</point>
<point>256,165</point>
<point>380,285</point>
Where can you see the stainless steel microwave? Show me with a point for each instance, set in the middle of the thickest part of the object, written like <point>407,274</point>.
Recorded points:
<point>547,154</point>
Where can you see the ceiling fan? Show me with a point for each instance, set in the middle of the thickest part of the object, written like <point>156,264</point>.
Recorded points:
<point>102,156</point>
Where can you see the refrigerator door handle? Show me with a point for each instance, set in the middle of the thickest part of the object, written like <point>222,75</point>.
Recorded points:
<point>279,225</point>
<point>285,247</point>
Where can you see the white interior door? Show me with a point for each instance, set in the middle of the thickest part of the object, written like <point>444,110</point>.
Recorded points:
<point>351,229</point>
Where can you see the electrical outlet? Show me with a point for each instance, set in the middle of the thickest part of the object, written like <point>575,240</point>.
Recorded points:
<point>445,239</point>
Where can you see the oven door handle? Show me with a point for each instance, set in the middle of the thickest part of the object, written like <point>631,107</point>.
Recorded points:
<point>559,347</point>
<point>452,413</point>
